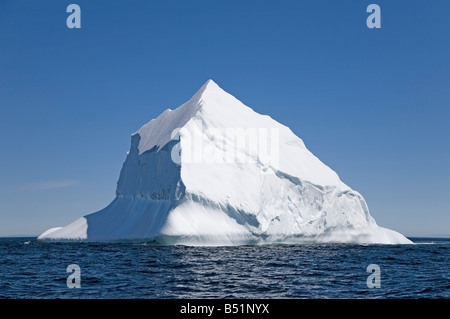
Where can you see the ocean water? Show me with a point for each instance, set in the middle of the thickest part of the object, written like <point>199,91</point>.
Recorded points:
<point>34,269</point>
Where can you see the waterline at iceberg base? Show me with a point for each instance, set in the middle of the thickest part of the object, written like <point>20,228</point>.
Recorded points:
<point>295,199</point>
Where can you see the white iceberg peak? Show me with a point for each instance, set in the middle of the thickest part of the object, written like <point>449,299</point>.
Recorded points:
<point>158,132</point>
<point>210,87</point>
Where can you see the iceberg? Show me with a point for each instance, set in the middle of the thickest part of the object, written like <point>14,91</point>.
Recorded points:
<point>215,172</point>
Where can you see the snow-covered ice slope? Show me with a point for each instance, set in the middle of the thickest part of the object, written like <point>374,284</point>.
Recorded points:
<point>215,172</point>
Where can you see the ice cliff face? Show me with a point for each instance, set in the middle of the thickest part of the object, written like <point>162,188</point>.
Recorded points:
<point>214,172</point>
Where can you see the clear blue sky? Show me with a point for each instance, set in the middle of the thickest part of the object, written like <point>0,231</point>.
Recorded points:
<point>374,105</point>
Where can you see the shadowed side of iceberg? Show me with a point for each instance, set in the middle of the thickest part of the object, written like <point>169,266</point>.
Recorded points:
<point>149,187</point>
<point>124,218</point>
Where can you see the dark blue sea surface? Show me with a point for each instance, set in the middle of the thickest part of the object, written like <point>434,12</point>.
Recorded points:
<point>35,269</point>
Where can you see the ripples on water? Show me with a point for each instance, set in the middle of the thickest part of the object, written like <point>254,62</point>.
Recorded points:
<point>34,269</point>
